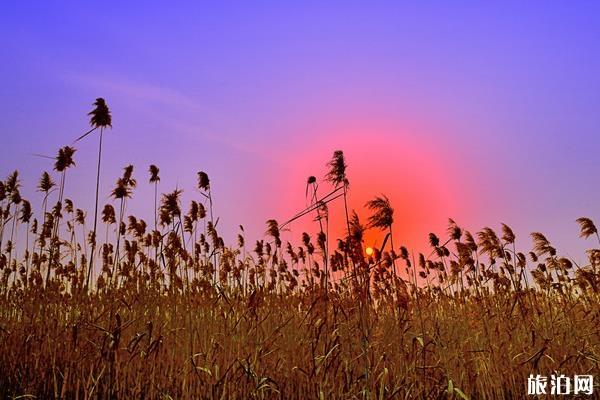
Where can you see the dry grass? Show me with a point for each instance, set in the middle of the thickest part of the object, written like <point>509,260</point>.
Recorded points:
<point>274,346</point>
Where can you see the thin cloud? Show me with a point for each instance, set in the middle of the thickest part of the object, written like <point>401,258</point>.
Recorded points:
<point>143,94</point>
<point>139,91</point>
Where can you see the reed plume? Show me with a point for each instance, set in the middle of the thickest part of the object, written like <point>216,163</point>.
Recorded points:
<point>154,179</point>
<point>100,117</point>
<point>587,228</point>
<point>383,219</point>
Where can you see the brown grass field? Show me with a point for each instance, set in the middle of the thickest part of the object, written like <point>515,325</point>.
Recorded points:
<point>115,307</point>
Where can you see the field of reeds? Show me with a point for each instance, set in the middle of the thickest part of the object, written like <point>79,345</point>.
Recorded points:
<point>96,304</point>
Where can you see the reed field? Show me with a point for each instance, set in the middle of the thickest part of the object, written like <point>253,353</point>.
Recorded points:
<point>100,304</point>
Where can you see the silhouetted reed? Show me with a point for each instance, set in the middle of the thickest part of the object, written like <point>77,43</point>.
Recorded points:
<point>176,312</point>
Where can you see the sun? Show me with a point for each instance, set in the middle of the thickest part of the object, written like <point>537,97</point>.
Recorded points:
<point>369,251</point>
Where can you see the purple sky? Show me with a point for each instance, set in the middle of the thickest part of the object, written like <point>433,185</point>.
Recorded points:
<point>485,113</point>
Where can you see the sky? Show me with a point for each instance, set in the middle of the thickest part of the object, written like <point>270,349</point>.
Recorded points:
<point>483,112</point>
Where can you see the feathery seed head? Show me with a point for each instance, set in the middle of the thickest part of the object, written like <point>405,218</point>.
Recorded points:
<point>587,227</point>
<point>64,159</point>
<point>100,116</point>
